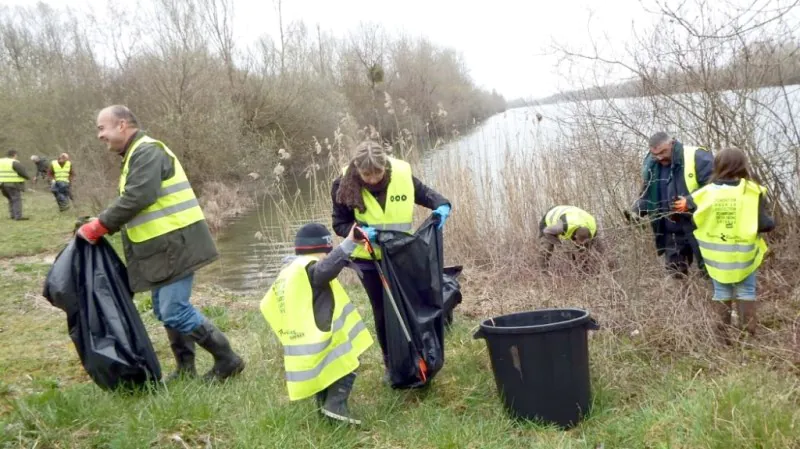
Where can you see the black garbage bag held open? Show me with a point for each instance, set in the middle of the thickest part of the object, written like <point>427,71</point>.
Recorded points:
<point>413,268</point>
<point>90,283</point>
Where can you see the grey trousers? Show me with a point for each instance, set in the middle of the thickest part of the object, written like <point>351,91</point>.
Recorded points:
<point>13,193</point>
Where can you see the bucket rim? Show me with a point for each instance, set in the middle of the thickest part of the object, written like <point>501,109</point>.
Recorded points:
<point>488,328</point>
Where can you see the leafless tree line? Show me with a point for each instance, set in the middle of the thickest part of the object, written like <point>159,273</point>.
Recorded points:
<point>224,106</point>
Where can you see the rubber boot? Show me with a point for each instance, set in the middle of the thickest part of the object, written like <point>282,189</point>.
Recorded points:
<point>335,406</point>
<point>226,362</point>
<point>724,310</point>
<point>183,349</point>
<point>747,312</point>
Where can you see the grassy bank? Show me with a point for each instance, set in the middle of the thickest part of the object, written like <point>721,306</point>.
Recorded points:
<point>643,396</point>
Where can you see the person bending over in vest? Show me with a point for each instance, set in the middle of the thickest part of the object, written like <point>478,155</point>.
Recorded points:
<point>61,175</point>
<point>729,216</point>
<point>378,192</point>
<point>165,238</point>
<point>12,183</point>
<point>669,170</point>
<point>574,225</point>
<point>321,332</point>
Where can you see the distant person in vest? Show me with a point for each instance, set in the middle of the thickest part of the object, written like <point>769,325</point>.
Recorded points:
<point>729,215</point>
<point>570,224</point>
<point>61,175</point>
<point>165,238</point>
<point>670,170</point>
<point>42,167</point>
<point>321,332</point>
<point>12,183</point>
<point>379,193</point>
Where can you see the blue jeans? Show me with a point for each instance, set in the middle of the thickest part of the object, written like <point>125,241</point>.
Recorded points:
<point>741,291</point>
<point>172,307</point>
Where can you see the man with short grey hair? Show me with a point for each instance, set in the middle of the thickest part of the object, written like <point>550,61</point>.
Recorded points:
<point>671,170</point>
<point>165,238</point>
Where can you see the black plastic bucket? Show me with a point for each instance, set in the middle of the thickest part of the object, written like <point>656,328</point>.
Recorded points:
<point>540,361</point>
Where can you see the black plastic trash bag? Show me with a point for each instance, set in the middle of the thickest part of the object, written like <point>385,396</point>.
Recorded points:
<point>90,283</point>
<point>413,266</point>
<point>451,292</point>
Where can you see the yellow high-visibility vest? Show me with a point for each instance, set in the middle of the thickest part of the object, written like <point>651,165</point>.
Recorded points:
<point>176,206</point>
<point>61,174</point>
<point>399,212</point>
<point>689,168</point>
<point>7,172</point>
<point>727,230</point>
<point>313,359</point>
<point>574,217</point>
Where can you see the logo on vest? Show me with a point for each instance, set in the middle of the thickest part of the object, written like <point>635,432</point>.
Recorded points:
<point>398,198</point>
<point>691,175</point>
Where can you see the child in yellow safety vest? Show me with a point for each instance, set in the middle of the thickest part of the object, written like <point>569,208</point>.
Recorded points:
<point>729,216</point>
<point>321,331</point>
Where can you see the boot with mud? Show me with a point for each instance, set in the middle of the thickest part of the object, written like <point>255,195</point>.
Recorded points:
<point>183,349</point>
<point>226,362</point>
<point>335,406</point>
<point>748,321</point>
<point>724,310</point>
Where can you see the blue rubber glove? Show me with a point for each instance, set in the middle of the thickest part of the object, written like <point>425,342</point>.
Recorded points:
<point>371,232</point>
<point>443,212</point>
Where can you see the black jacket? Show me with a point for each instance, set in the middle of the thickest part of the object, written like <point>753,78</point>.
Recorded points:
<point>321,274</point>
<point>343,216</point>
<point>167,258</point>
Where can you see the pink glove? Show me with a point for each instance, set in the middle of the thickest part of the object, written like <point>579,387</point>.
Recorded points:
<point>92,231</point>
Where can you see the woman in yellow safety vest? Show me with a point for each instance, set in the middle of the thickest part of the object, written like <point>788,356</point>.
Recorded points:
<point>379,193</point>
<point>729,215</point>
<point>321,332</point>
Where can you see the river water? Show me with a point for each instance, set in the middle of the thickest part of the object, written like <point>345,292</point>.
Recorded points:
<point>253,246</point>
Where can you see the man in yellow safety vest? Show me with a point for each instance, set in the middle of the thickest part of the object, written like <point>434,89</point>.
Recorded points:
<point>569,224</point>
<point>12,183</point>
<point>61,175</point>
<point>165,238</point>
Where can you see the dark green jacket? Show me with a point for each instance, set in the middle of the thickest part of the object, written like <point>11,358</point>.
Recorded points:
<point>162,260</point>
<point>655,196</point>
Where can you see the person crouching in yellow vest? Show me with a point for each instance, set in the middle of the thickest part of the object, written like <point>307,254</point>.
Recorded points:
<point>574,225</point>
<point>378,192</point>
<point>729,215</point>
<point>321,331</point>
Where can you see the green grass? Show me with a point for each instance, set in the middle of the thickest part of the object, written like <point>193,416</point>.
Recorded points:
<point>640,400</point>
<point>46,231</point>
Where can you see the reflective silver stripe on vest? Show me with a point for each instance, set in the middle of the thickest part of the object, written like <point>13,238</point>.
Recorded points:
<point>156,214</point>
<point>734,248</point>
<point>315,348</point>
<point>339,351</point>
<point>402,227</point>
<point>731,265</point>
<point>174,188</point>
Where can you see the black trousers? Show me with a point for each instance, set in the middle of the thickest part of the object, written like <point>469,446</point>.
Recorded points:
<point>679,252</point>
<point>372,284</point>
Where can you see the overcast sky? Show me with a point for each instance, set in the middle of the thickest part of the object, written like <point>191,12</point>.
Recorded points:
<point>502,41</point>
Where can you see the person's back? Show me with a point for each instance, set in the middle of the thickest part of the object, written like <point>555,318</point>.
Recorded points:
<point>12,183</point>
<point>310,312</point>
<point>729,215</point>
